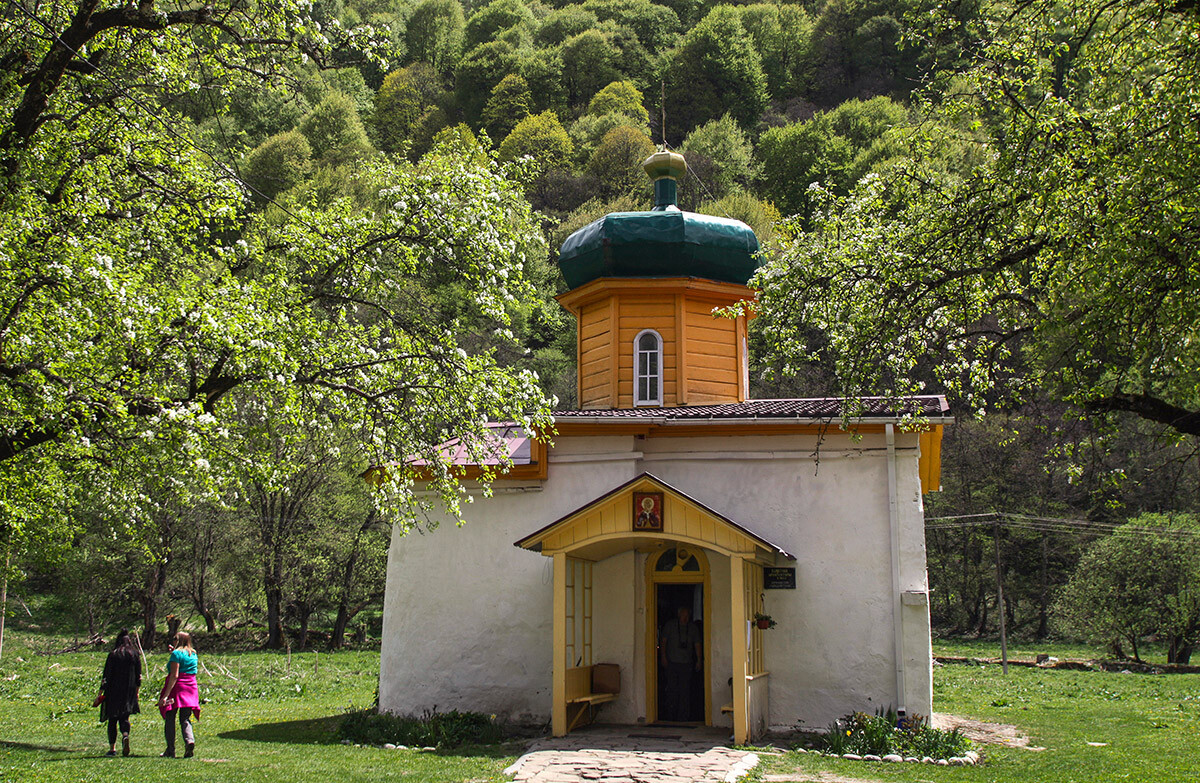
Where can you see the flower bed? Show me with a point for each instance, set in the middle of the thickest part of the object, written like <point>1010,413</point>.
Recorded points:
<point>887,737</point>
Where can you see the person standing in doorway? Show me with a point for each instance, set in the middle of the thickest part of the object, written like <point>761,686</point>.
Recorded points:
<point>118,697</point>
<point>680,654</point>
<point>179,695</point>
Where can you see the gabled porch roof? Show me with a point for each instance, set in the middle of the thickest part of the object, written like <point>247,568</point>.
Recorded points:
<point>604,527</point>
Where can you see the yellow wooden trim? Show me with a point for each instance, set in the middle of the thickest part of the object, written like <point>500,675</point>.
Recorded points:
<point>559,677</point>
<point>614,349</point>
<point>654,578</point>
<point>743,359</point>
<point>737,625</point>
<point>579,326</point>
<point>537,469</point>
<point>681,350</point>
<point>611,519</point>
<point>754,603</point>
<point>652,539</point>
<point>721,293</point>
<point>930,464</point>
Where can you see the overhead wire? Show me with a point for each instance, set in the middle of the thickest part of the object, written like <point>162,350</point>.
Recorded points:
<point>1055,525</point>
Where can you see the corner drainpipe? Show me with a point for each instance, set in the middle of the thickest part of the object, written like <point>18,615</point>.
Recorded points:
<point>894,525</point>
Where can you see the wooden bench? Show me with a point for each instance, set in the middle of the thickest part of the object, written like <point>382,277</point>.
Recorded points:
<point>582,697</point>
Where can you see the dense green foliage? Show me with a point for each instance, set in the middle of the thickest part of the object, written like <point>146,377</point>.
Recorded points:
<point>715,71</point>
<point>1142,581</point>
<point>1059,258</point>
<point>229,232</point>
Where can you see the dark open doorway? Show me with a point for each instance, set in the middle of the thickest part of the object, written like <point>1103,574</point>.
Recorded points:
<point>680,685</point>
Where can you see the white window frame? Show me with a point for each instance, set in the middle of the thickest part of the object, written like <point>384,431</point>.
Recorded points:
<point>637,376</point>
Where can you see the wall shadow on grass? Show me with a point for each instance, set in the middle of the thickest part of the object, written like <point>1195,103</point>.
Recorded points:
<point>324,731</point>
<point>43,748</point>
<point>311,731</point>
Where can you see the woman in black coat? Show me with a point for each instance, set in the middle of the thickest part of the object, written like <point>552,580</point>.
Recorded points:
<point>118,697</point>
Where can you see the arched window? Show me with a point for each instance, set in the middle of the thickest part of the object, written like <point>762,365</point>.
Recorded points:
<point>647,368</point>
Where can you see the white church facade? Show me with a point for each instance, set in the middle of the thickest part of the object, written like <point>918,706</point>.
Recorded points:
<point>669,489</point>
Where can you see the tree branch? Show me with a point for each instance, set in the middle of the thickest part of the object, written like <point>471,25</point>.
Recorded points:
<point>1148,407</point>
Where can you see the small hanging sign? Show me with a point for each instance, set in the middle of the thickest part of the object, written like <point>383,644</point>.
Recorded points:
<point>779,579</point>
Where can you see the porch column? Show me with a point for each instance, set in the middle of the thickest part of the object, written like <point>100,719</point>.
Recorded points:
<point>737,613</point>
<point>558,710</point>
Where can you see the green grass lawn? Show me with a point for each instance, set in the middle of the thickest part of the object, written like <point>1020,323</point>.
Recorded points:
<point>263,722</point>
<point>268,722</point>
<point>1150,725</point>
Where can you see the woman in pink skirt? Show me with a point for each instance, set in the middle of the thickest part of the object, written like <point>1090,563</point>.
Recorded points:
<point>180,695</point>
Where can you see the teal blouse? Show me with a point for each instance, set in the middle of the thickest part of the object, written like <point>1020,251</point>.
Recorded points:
<point>188,662</point>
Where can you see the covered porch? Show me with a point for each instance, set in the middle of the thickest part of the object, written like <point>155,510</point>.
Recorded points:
<point>677,537</point>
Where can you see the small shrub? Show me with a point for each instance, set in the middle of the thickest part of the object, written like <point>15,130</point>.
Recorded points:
<point>884,733</point>
<point>438,729</point>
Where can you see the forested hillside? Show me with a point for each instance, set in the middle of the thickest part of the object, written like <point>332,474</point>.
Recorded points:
<point>252,249</point>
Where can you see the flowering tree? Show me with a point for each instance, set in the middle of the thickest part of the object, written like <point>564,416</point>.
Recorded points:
<point>144,302</point>
<point>1039,230</point>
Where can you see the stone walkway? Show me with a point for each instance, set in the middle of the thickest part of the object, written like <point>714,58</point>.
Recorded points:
<point>634,754</point>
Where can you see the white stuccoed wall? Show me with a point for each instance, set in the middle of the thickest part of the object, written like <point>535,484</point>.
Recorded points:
<point>467,620</point>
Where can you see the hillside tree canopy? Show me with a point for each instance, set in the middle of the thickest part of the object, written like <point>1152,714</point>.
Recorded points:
<point>143,298</point>
<point>1063,258</point>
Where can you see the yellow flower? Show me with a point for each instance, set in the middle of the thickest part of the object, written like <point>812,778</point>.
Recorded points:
<point>847,732</point>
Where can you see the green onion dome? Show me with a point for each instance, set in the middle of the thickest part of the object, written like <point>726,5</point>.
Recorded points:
<point>664,242</point>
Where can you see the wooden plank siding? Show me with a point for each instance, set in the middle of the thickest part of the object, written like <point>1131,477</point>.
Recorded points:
<point>703,356</point>
<point>595,356</point>
<point>614,518</point>
<point>714,355</point>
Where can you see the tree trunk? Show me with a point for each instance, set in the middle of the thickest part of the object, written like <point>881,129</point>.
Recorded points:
<point>202,548</point>
<point>149,620</point>
<point>304,612</point>
<point>173,623</point>
<point>344,615</point>
<point>338,638</point>
<point>149,598</point>
<point>274,611</point>
<point>1043,629</point>
<point>4,587</point>
<point>1179,650</point>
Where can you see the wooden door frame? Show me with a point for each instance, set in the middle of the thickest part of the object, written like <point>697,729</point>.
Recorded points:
<point>703,577</point>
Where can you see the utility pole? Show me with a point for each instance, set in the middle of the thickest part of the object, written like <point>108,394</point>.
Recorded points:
<point>1000,600</point>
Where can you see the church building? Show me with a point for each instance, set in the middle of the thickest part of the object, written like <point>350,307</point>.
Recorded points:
<point>675,552</point>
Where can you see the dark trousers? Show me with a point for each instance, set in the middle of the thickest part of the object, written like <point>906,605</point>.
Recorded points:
<point>112,728</point>
<point>185,727</point>
<point>679,691</point>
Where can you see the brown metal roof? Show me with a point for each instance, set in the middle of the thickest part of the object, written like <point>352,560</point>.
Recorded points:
<point>933,406</point>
